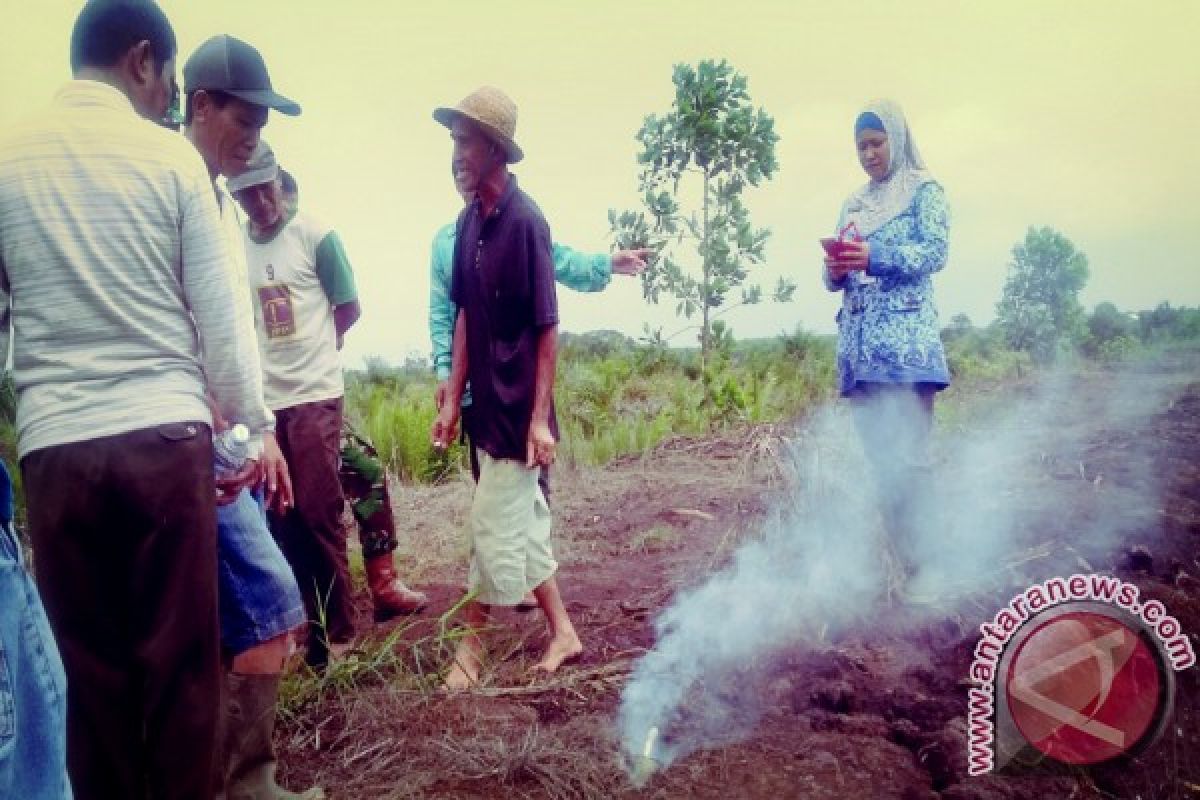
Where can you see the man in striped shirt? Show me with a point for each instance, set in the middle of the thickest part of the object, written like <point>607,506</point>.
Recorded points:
<point>117,295</point>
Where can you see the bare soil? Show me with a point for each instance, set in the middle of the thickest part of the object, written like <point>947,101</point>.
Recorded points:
<point>878,712</point>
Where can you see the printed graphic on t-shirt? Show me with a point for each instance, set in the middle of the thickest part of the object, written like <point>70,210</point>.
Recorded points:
<point>278,317</point>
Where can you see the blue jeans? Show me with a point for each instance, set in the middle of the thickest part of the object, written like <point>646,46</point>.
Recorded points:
<point>33,688</point>
<point>257,591</point>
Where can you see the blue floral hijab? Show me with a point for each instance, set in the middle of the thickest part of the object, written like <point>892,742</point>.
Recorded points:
<point>878,202</point>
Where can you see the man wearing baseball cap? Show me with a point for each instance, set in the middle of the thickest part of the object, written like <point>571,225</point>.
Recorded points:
<point>304,301</point>
<point>228,94</point>
<point>505,339</point>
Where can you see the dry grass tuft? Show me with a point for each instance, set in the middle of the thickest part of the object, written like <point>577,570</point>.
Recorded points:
<point>532,763</point>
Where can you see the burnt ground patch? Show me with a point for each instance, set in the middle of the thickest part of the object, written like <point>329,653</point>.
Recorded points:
<point>875,712</point>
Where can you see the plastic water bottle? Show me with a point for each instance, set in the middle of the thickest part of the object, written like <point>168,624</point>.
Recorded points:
<point>230,448</point>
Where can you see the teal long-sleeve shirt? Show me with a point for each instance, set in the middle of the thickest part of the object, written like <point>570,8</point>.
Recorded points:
<point>583,272</point>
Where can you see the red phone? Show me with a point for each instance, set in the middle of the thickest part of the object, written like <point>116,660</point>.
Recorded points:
<point>834,246</point>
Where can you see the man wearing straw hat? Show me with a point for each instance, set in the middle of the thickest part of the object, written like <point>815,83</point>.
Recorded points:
<point>577,270</point>
<point>505,341</point>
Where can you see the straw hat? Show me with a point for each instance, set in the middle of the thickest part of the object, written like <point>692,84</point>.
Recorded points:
<point>492,110</point>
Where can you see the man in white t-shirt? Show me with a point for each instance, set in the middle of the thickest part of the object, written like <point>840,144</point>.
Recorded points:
<point>366,488</point>
<point>304,301</point>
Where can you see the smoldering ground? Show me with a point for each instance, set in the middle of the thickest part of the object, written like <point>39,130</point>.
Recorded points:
<point>824,563</point>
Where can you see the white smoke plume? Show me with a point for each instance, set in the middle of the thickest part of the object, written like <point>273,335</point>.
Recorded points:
<point>819,565</point>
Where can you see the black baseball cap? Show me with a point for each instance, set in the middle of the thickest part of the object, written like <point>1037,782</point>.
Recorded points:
<point>227,64</point>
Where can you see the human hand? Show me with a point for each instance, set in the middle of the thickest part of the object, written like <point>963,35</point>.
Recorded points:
<point>440,394</point>
<point>445,426</point>
<point>854,256</point>
<point>275,476</point>
<point>631,262</point>
<point>230,484</point>
<point>539,446</point>
<point>835,270</point>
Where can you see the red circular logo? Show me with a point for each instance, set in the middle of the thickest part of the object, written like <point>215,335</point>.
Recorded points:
<point>1084,687</point>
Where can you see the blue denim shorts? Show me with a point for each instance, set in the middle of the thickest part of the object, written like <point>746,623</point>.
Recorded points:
<point>33,688</point>
<point>258,594</point>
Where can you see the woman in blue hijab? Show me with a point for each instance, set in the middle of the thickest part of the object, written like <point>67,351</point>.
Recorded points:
<point>891,363</point>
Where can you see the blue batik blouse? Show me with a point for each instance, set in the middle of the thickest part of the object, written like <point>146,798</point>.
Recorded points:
<point>888,329</point>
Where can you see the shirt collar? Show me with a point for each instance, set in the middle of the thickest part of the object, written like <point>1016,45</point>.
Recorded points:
<point>82,94</point>
<point>225,201</point>
<point>509,190</point>
<point>506,196</point>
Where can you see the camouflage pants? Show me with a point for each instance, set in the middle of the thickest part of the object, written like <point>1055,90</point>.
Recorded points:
<point>364,482</point>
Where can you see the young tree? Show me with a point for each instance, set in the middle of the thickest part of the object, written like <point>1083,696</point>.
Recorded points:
<point>1039,311</point>
<point>712,140</point>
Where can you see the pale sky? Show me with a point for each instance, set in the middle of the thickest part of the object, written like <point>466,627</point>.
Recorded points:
<point>1078,115</point>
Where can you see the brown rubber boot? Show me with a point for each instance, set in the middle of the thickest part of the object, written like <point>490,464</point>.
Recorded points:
<point>248,754</point>
<point>391,597</point>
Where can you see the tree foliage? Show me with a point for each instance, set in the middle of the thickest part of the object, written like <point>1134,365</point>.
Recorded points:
<point>1039,311</point>
<point>1166,323</point>
<point>1109,324</point>
<point>959,328</point>
<point>715,141</point>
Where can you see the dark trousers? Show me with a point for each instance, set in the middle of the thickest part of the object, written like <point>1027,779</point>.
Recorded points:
<point>125,539</point>
<point>894,422</point>
<point>311,534</point>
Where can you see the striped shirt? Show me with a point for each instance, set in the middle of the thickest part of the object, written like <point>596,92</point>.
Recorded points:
<point>232,225</point>
<point>117,285</point>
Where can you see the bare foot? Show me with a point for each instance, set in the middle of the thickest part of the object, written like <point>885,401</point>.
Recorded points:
<point>467,664</point>
<point>562,648</point>
<point>458,680</point>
